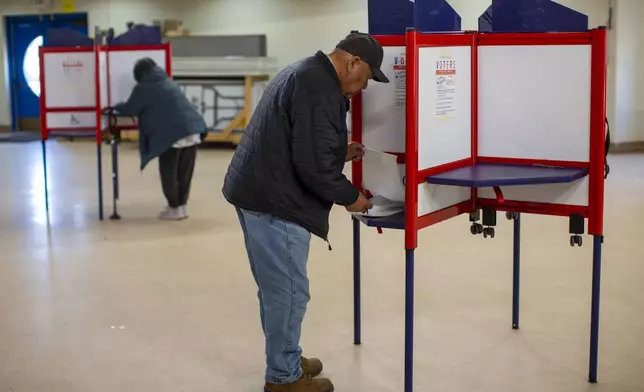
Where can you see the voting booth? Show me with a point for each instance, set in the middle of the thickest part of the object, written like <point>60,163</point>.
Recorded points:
<point>481,124</point>
<point>81,78</point>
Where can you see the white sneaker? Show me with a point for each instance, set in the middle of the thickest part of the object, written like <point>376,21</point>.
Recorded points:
<point>170,213</point>
<point>184,211</point>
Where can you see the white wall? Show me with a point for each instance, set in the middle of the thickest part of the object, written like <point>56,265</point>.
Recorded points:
<point>629,75</point>
<point>294,28</point>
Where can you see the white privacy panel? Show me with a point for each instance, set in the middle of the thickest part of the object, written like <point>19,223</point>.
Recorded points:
<point>432,198</point>
<point>534,102</point>
<point>71,120</point>
<point>121,66</point>
<point>383,105</point>
<point>81,120</point>
<point>575,193</point>
<point>69,79</point>
<point>444,105</point>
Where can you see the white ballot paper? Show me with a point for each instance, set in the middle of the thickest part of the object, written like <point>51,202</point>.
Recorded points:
<point>381,176</point>
<point>383,207</point>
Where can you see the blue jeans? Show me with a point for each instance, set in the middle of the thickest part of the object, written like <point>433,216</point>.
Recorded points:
<point>278,251</point>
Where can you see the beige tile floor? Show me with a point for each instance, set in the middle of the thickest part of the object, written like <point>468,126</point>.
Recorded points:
<point>141,305</point>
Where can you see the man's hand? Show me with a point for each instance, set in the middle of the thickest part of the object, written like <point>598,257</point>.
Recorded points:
<point>361,205</point>
<point>355,152</point>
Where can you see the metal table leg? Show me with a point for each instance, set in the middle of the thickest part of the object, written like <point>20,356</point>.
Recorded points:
<point>594,314</point>
<point>115,179</point>
<point>357,322</point>
<point>44,169</point>
<point>516,276</point>
<point>99,158</point>
<point>409,320</point>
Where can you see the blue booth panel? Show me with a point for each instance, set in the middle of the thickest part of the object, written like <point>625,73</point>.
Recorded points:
<point>393,17</point>
<point>139,35</point>
<point>531,16</point>
<point>65,38</point>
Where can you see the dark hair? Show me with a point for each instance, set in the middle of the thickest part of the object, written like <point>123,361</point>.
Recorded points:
<point>142,67</point>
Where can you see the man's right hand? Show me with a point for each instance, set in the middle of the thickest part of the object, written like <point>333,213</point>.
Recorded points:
<point>361,205</point>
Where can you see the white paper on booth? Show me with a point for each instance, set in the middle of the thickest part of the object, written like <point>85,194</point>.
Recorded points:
<point>383,176</point>
<point>383,207</point>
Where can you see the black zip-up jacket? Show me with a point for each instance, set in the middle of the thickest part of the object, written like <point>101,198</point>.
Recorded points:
<point>290,159</point>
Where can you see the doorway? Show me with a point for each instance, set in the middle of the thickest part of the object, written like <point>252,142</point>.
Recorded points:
<point>24,36</point>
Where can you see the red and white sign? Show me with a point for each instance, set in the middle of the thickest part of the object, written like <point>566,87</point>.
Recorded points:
<point>445,87</point>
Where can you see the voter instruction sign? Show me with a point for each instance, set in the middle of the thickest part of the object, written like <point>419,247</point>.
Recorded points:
<point>445,87</point>
<point>400,79</point>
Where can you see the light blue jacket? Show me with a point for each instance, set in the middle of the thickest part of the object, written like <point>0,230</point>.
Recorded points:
<point>165,115</point>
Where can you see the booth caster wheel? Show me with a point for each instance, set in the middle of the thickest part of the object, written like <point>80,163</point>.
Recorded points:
<point>488,232</point>
<point>512,215</point>
<point>476,228</point>
<point>576,240</point>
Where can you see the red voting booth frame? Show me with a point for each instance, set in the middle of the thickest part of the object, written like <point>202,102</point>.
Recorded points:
<point>412,41</point>
<point>97,108</point>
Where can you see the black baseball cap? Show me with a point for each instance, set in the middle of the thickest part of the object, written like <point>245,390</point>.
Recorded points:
<point>368,49</point>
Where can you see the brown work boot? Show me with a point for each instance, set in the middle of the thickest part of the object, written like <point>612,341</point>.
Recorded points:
<point>304,384</point>
<point>311,366</point>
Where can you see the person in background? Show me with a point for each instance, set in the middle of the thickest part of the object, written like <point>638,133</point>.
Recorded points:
<point>170,128</point>
<point>284,177</point>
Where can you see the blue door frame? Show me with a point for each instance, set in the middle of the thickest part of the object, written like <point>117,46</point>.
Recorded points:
<point>20,31</point>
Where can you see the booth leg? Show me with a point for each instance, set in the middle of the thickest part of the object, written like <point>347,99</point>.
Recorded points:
<point>357,316</point>
<point>115,180</point>
<point>594,313</point>
<point>409,320</point>
<point>516,275</point>
<point>44,169</point>
<point>99,158</point>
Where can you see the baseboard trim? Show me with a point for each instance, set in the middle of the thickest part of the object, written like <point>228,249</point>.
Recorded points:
<point>627,147</point>
<point>5,128</point>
